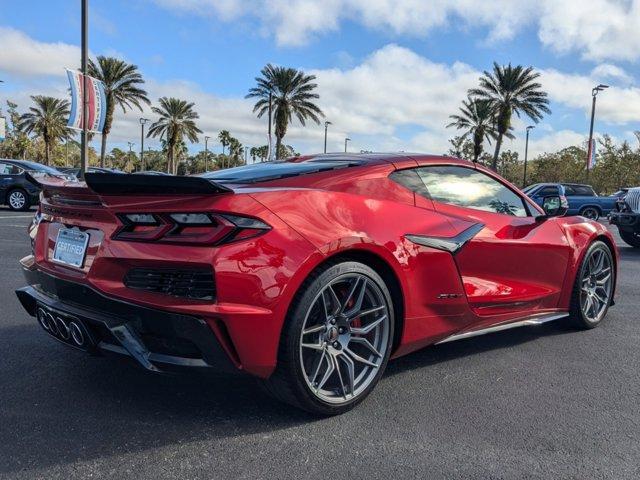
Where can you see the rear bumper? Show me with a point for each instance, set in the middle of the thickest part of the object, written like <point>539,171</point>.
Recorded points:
<point>625,221</point>
<point>158,340</point>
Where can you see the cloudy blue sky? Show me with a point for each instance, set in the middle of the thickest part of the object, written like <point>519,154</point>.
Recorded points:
<point>389,71</point>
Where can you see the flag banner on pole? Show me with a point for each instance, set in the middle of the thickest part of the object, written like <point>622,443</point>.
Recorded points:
<point>96,99</point>
<point>592,154</point>
<point>3,128</point>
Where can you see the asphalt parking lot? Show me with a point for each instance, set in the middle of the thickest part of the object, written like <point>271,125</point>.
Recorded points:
<point>541,402</point>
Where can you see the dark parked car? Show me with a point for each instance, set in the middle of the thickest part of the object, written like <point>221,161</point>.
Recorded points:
<point>15,190</point>
<point>627,217</point>
<point>583,200</point>
<point>75,171</point>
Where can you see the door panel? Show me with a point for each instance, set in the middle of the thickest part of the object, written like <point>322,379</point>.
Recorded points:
<point>514,265</point>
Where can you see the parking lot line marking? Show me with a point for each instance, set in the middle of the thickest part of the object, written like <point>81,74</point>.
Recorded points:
<point>20,226</point>
<point>16,216</point>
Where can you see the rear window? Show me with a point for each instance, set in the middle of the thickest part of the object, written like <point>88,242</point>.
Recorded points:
<point>262,172</point>
<point>579,190</point>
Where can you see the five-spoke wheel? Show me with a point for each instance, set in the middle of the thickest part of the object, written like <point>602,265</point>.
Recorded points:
<point>336,341</point>
<point>593,290</point>
<point>346,332</point>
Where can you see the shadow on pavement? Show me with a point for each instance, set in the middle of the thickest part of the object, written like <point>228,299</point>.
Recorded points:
<point>66,406</point>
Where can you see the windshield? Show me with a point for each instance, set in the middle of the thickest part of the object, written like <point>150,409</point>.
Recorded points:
<point>262,172</point>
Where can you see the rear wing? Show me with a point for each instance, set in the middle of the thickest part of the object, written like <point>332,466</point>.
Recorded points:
<point>124,184</point>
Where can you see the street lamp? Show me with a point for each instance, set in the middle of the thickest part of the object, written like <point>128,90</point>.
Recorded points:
<point>345,144</point>
<point>131,144</point>
<point>594,93</point>
<point>526,154</point>
<point>206,153</point>
<point>326,125</point>
<point>143,121</point>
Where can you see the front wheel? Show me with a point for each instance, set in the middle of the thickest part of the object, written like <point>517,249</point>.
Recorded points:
<point>336,341</point>
<point>18,200</point>
<point>593,288</point>
<point>630,238</point>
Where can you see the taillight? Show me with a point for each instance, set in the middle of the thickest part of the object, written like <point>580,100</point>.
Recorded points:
<point>188,228</point>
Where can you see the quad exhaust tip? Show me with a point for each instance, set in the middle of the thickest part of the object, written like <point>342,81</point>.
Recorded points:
<point>69,331</point>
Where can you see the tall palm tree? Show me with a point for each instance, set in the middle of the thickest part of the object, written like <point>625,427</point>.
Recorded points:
<point>511,90</point>
<point>476,117</point>
<point>47,119</point>
<point>122,87</point>
<point>177,121</point>
<point>292,95</point>
<point>224,137</point>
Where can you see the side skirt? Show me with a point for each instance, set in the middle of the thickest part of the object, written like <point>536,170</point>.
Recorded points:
<point>538,319</point>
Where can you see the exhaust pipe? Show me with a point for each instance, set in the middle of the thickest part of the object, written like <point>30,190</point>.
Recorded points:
<point>63,329</point>
<point>41,315</point>
<point>76,334</point>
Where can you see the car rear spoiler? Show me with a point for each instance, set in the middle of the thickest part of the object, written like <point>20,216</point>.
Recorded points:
<point>125,184</point>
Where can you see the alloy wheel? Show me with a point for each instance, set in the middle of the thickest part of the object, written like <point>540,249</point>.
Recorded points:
<point>596,285</point>
<point>17,200</point>
<point>344,338</point>
<point>591,213</point>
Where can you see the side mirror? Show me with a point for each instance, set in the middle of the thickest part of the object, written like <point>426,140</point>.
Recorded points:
<point>555,206</point>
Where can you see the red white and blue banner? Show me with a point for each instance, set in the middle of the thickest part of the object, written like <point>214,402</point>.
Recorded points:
<point>592,154</point>
<point>96,99</point>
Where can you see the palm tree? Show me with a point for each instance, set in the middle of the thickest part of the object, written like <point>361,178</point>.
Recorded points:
<point>121,84</point>
<point>224,137</point>
<point>476,117</point>
<point>511,90</point>
<point>177,121</point>
<point>47,119</point>
<point>292,94</point>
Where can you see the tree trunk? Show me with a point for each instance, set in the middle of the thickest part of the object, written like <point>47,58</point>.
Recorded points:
<point>494,162</point>
<point>103,148</point>
<point>46,152</point>
<point>108,120</point>
<point>278,143</point>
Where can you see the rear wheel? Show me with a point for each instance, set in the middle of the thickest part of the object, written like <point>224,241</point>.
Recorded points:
<point>336,341</point>
<point>592,213</point>
<point>18,200</point>
<point>593,289</point>
<point>630,238</point>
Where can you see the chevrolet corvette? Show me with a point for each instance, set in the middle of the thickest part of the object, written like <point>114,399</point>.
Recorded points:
<point>309,274</point>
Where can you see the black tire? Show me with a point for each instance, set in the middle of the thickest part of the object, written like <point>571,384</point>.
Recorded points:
<point>592,213</point>
<point>630,238</point>
<point>289,383</point>
<point>23,203</point>
<point>577,315</point>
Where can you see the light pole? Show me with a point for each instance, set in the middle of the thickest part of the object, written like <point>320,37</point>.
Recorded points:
<point>345,144</point>
<point>246,154</point>
<point>131,144</point>
<point>594,93</point>
<point>326,126</point>
<point>143,121</point>
<point>526,154</point>
<point>84,61</point>
<point>270,142</point>
<point>206,153</point>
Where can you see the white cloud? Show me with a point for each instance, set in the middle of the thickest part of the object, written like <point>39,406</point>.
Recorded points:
<point>376,102</point>
<point>22,56</point>
<point>598,29</point>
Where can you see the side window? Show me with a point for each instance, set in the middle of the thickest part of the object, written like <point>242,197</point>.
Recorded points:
<point>410,179</point>
<point>547,191</point>
<point>569,191</point>
<point>6,169</point>
<point>470,188</point>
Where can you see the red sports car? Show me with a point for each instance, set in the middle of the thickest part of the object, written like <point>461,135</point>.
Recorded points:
<point>309,274</point>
